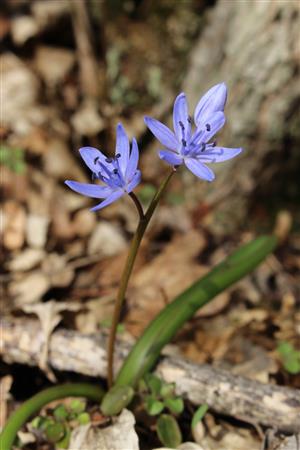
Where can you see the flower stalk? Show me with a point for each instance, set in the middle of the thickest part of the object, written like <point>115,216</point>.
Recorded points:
<point>134,247</point>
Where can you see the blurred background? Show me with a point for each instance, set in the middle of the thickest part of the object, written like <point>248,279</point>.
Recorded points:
<point>70,71</point>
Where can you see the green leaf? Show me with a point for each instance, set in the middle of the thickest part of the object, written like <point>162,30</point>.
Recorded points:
<point>32,406</point>
<point>77,406</point>
<point>154,383</point>
<point>83,418</point>
<point>117,398</point>
<point>168,431</point>
<point>55,432</point>
<point>19,167</point>
<point>284,348</point>
<point>199,414</point>
<point>45,423</point>
<point>166,324</point>
<point>65,441</point>
<point>142,386</point>
<point>60,412</point>
<point>290,357</point>
<point>153,406</point>
<point>175,405</point>
<point>13,158</point>
<point>292,365</point>
<point>167,390</point>
<point>36,422</point>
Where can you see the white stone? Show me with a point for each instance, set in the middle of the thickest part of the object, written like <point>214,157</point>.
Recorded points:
<point>23,28</point>
<point>106,239</point>
<point>87,121</point>
<point>30,289</point>
<point>53,63</point>
<point>121,435</point>
<point>26,260</point>
<point>19,95</point>
<point>36,230</point>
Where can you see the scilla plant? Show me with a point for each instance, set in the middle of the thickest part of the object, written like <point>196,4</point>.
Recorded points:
<point>189,146</point>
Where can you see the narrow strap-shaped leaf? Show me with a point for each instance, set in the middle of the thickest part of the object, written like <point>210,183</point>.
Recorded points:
<point>162,329</point>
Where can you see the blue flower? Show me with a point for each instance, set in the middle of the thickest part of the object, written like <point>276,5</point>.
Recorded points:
<point>195,149</point>
<point>119,175</point>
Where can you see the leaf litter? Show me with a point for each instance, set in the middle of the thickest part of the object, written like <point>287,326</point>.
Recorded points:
<point>59,257</point>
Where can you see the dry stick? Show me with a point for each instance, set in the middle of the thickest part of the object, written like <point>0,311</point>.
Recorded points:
<point>86,58</point>
<point>254,402</point>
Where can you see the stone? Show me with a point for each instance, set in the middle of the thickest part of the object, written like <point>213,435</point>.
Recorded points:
<point>23,28</point>
<point>29,289</point>
<point>19,96</point>
<point>36,230</point>
<point>87,120</point>
<point>121,435</point>
<point>13,220</point>
<point>26,260</point>
<point>106,239</point>
<point>53,64</point>
<point>84,222</point>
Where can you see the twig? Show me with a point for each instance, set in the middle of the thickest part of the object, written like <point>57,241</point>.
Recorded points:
<point>86,58</point>
<point>254,402</point>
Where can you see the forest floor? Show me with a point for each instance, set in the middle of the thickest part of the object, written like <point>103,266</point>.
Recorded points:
<point>55,250</point>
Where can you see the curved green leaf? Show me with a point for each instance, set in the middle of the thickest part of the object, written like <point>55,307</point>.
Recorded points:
<point>35,403</point>
<point>162,329</point>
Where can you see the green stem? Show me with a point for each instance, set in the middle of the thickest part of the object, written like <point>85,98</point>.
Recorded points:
<point>138,205</point>
<point>161,330</point>
<point>35,403</point>
<point>135,244</point>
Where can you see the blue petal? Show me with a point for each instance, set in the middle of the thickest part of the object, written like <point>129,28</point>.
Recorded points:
<point>199,169</point>
<point>133,161</point>
<point>112,198</point>
<point>162,133</point>
<point>214,100</point>
<point>170,157</point>
<point>89,190</point>
<point>122,147</point>
<point>91,156</point>
<point>134,182</point>
<point>219,154</point>
<point>204,133</point>
<point>214,123</point>
<point>182,126</point>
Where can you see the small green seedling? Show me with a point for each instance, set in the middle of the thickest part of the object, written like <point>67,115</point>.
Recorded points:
<point>199,414</point>
<point>168,431</point>
<point>56,427</point>
<point>13,158</point>
<point>157,396</point>
<point>290,357</point>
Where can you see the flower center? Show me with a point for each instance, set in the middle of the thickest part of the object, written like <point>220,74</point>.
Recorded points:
<point>112,177</point>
